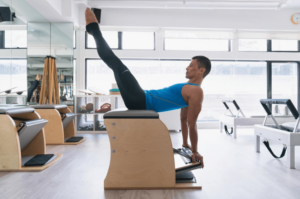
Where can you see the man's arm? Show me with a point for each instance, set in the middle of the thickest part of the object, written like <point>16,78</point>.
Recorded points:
<point>184,126</point>
<point>194,108</point>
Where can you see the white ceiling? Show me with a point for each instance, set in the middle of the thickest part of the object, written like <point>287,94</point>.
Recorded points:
<point>193,4</point>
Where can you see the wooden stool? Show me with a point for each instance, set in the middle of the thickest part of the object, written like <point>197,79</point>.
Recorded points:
<point>141,152</point>
<point>17,146</point>
<point>58,131</point>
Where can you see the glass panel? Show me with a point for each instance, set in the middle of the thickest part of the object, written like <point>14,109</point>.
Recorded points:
<point>243,81</point>
<point>253,45</point>
<point>62,37</point>
<point>197,44</point>
<point>284,45</point>
<point>15,39</point>
<point>284,81</point>
<point>55,39</point>
<point>85,105</point>
<point>99,122</point>
<point>111,37</point>
<point>85,122</point>
<point>13,73</point>
<point>138,40</point>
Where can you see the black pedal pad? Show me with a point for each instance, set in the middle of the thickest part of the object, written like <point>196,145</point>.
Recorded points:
<point>74,139</point>
<point>185,177</point>
<point>38,160</point>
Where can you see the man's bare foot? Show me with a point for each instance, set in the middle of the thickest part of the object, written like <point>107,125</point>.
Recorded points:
<point>90,17</point>
<point>38,77</point>
<point>187,146</point>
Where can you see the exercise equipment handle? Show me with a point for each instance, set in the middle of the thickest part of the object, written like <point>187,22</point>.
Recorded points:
<point>288,102</point>
<point>231,101</point>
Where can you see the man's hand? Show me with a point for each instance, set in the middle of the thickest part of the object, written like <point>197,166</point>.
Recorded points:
<point>195,156</point>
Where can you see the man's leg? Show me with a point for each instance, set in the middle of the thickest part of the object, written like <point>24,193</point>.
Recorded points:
<point>132,94</point>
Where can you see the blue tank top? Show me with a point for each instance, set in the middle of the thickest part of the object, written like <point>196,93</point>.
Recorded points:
<point>166,99</point>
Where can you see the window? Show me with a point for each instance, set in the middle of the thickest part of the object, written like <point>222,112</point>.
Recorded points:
<point>284,81</point>
<point>125,40</point>
<point>111,38</point>
<point>243,81</point>
<point>13,73</point>
<point>197,44</point>
<point>15,38</point>
<point>138,40</point>
<point>284,45</point>
<point>253,45</point>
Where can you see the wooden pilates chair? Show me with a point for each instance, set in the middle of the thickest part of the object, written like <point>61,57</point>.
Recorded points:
<point>22,140</point>
<point>60,128</point>
<point>142,156</point>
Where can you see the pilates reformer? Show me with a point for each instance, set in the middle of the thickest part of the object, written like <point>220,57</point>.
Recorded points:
<point>239,119</point>
<point>60,128</point>
<point>22,141</point>
<point>287,133</point>
<point>142,156</point>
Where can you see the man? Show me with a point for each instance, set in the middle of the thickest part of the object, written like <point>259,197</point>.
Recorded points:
<point>187,96</point>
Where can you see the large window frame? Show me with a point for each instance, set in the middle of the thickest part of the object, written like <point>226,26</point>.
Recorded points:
<point>269,48</point>
<point>228,50</point>
<point>25,59</point>
<point>120,42</point>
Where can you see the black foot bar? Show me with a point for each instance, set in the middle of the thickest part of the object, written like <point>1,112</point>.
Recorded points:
<point>266,143</point>
<point>226,130</point>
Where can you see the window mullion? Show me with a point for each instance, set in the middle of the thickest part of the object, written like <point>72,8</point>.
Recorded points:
<point>120,40</point>
<point>269,45</point>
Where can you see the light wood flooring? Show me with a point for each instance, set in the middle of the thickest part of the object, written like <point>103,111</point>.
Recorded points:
<point>233,170</point>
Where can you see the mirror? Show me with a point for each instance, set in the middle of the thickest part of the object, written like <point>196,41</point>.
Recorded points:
<point>13,42</point>
<point>56,40</point>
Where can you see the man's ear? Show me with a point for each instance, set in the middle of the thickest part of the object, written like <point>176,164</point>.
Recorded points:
<point>202,70</point>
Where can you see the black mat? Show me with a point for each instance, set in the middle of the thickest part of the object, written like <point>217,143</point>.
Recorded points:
<point>74,139</point>
<point>38,160</point>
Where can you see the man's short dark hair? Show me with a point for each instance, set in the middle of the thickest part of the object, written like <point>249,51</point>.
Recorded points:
<point>203,62</point>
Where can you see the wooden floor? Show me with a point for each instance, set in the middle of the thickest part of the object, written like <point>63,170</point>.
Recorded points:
<point>233,170</point>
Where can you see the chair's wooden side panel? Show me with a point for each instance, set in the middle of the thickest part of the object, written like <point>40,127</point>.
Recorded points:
<point>54,131</point>
<point>10,156</point>
<point>141,154</point>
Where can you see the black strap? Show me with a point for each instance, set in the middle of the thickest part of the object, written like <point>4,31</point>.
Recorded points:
<point>226,130</point>
<point>266,143</point>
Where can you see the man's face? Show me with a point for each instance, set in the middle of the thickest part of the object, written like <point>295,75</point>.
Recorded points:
<point>192,70</point>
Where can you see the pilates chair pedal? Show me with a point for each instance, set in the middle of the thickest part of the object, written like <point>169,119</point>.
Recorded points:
<point>74,139</point>
<point>185,177</point>
<point>39,160</point>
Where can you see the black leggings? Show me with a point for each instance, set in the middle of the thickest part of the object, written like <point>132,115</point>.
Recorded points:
<point>131,92</point>
<point>33,86</point>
